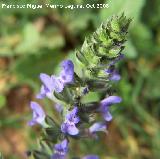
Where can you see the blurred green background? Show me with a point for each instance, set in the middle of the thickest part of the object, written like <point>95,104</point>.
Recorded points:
<point>35,41</point>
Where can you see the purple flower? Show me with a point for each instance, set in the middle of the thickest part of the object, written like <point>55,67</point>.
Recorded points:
<point>99,126</point>
<point>72,116</point>
<point>38,114</point>
<point>104,106</point>
<point>61,150</point>
<point>48,86</point>
<point>54,83</point>
<point>42,93</point>
<point>69,125</point>
<point>58,84</point>
<point>91,157</point>
<point>67,73</point>
<point>114,75</point>
<point>47,81</point>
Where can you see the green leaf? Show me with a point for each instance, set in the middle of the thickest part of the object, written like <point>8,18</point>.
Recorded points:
<point>91,97</point>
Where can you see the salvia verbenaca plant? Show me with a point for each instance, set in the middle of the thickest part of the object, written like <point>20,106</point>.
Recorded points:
<point>97,72</point>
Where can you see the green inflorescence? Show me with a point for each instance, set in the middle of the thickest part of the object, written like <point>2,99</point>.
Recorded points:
<point>106,43</point>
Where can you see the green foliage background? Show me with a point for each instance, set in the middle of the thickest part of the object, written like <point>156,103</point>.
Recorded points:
<point>35,41</point>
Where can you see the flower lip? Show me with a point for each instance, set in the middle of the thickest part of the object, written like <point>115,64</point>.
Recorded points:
<point>69,125</point>
<point>58,84</point>
<point>113,73</point>
<point>67,66</point>
<point>47,81</point>
<point>107,115</point>
<point>67,73</point>
<point>72,116</point>
<point>69,128</point>
<point>110,100</point>
<point>61,150</point>
<point>43,92</point>
<point>115,76</point>
<point>98,126</point>
<point>62,147</point>
<point>105,104</point>
<point>38,114</point>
